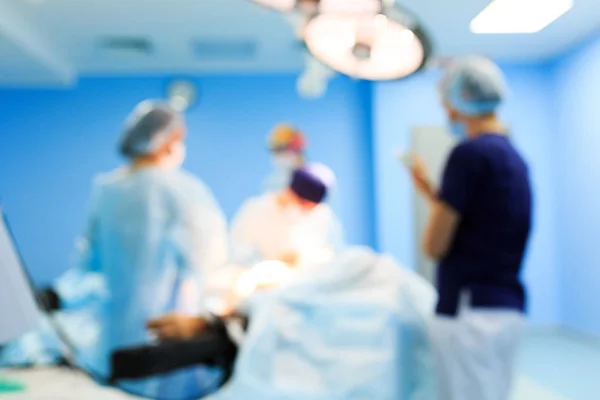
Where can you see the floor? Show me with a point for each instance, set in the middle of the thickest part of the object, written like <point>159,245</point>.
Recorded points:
<point>558,366</point>
<point>553,365</point>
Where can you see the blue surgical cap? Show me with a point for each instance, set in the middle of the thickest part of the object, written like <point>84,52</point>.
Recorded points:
<point>312,182</point>
<point>149,126</point>
<point>474,86</point>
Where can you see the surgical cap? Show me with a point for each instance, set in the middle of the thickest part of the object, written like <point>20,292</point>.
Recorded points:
<point>286,137</point>
<point>148,128</point>
<point>312,182</point>
<point>474,86</point>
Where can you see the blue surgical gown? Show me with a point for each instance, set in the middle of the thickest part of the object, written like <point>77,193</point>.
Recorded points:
<point>153,238</point>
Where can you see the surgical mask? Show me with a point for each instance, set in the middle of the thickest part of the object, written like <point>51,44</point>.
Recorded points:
<point>458,129</point>
<point>177,156</point>
<point>286,161</point>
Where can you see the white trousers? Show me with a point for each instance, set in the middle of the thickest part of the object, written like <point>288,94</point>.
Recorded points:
<point>475,353</point>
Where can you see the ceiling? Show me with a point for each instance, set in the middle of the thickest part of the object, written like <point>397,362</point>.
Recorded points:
<point>55,41</point>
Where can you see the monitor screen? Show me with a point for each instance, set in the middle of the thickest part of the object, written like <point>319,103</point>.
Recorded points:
<point>19,312</point>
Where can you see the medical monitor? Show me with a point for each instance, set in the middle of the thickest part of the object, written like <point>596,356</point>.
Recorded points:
<point>19,312</point>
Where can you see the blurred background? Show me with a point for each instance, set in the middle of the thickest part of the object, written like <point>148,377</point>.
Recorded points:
<point>71,71</point>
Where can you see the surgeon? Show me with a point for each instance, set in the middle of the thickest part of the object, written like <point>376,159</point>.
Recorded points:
<point>155,233</point>
<point>287,146</point>
<point>478,231</point>
<point>293,225</point>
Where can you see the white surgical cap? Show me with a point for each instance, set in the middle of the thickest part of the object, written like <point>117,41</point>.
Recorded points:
<point>323,172</point>
<point>474,86</point>
<point>149,126</point>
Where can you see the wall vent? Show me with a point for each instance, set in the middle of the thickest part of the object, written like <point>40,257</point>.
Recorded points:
<point>127,44</point>
<point>225,49</point>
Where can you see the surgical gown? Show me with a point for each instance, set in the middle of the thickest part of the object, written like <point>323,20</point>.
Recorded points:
<point>154,236</point>
<point>263,230</point>
<point>355,330</point>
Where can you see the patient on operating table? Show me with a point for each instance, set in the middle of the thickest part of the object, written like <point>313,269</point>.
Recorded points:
<point>338,332</point>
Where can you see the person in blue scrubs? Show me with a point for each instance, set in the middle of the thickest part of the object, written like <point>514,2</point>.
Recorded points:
<point>478,231</point>
<point>155,234</point>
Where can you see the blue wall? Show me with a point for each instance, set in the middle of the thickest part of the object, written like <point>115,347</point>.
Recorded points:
<point>400,106</point>
<point>577,149</point>
<point>54,141</point>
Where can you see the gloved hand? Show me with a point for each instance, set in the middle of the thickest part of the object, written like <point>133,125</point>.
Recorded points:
<point>49,299</point>
<point>419,173</point>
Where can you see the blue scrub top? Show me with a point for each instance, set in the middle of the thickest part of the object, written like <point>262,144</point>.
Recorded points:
<point>487,182</point>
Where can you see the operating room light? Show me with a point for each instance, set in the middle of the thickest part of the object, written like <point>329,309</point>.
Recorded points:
<point>349,6</point>
<point>372,46</point>
<point>322,6</point>
<point>519,16</point>
<point>280,5</point>
<point>365,39</point>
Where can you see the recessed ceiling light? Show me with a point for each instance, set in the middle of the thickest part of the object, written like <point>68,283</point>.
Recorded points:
<point>519,16</point>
